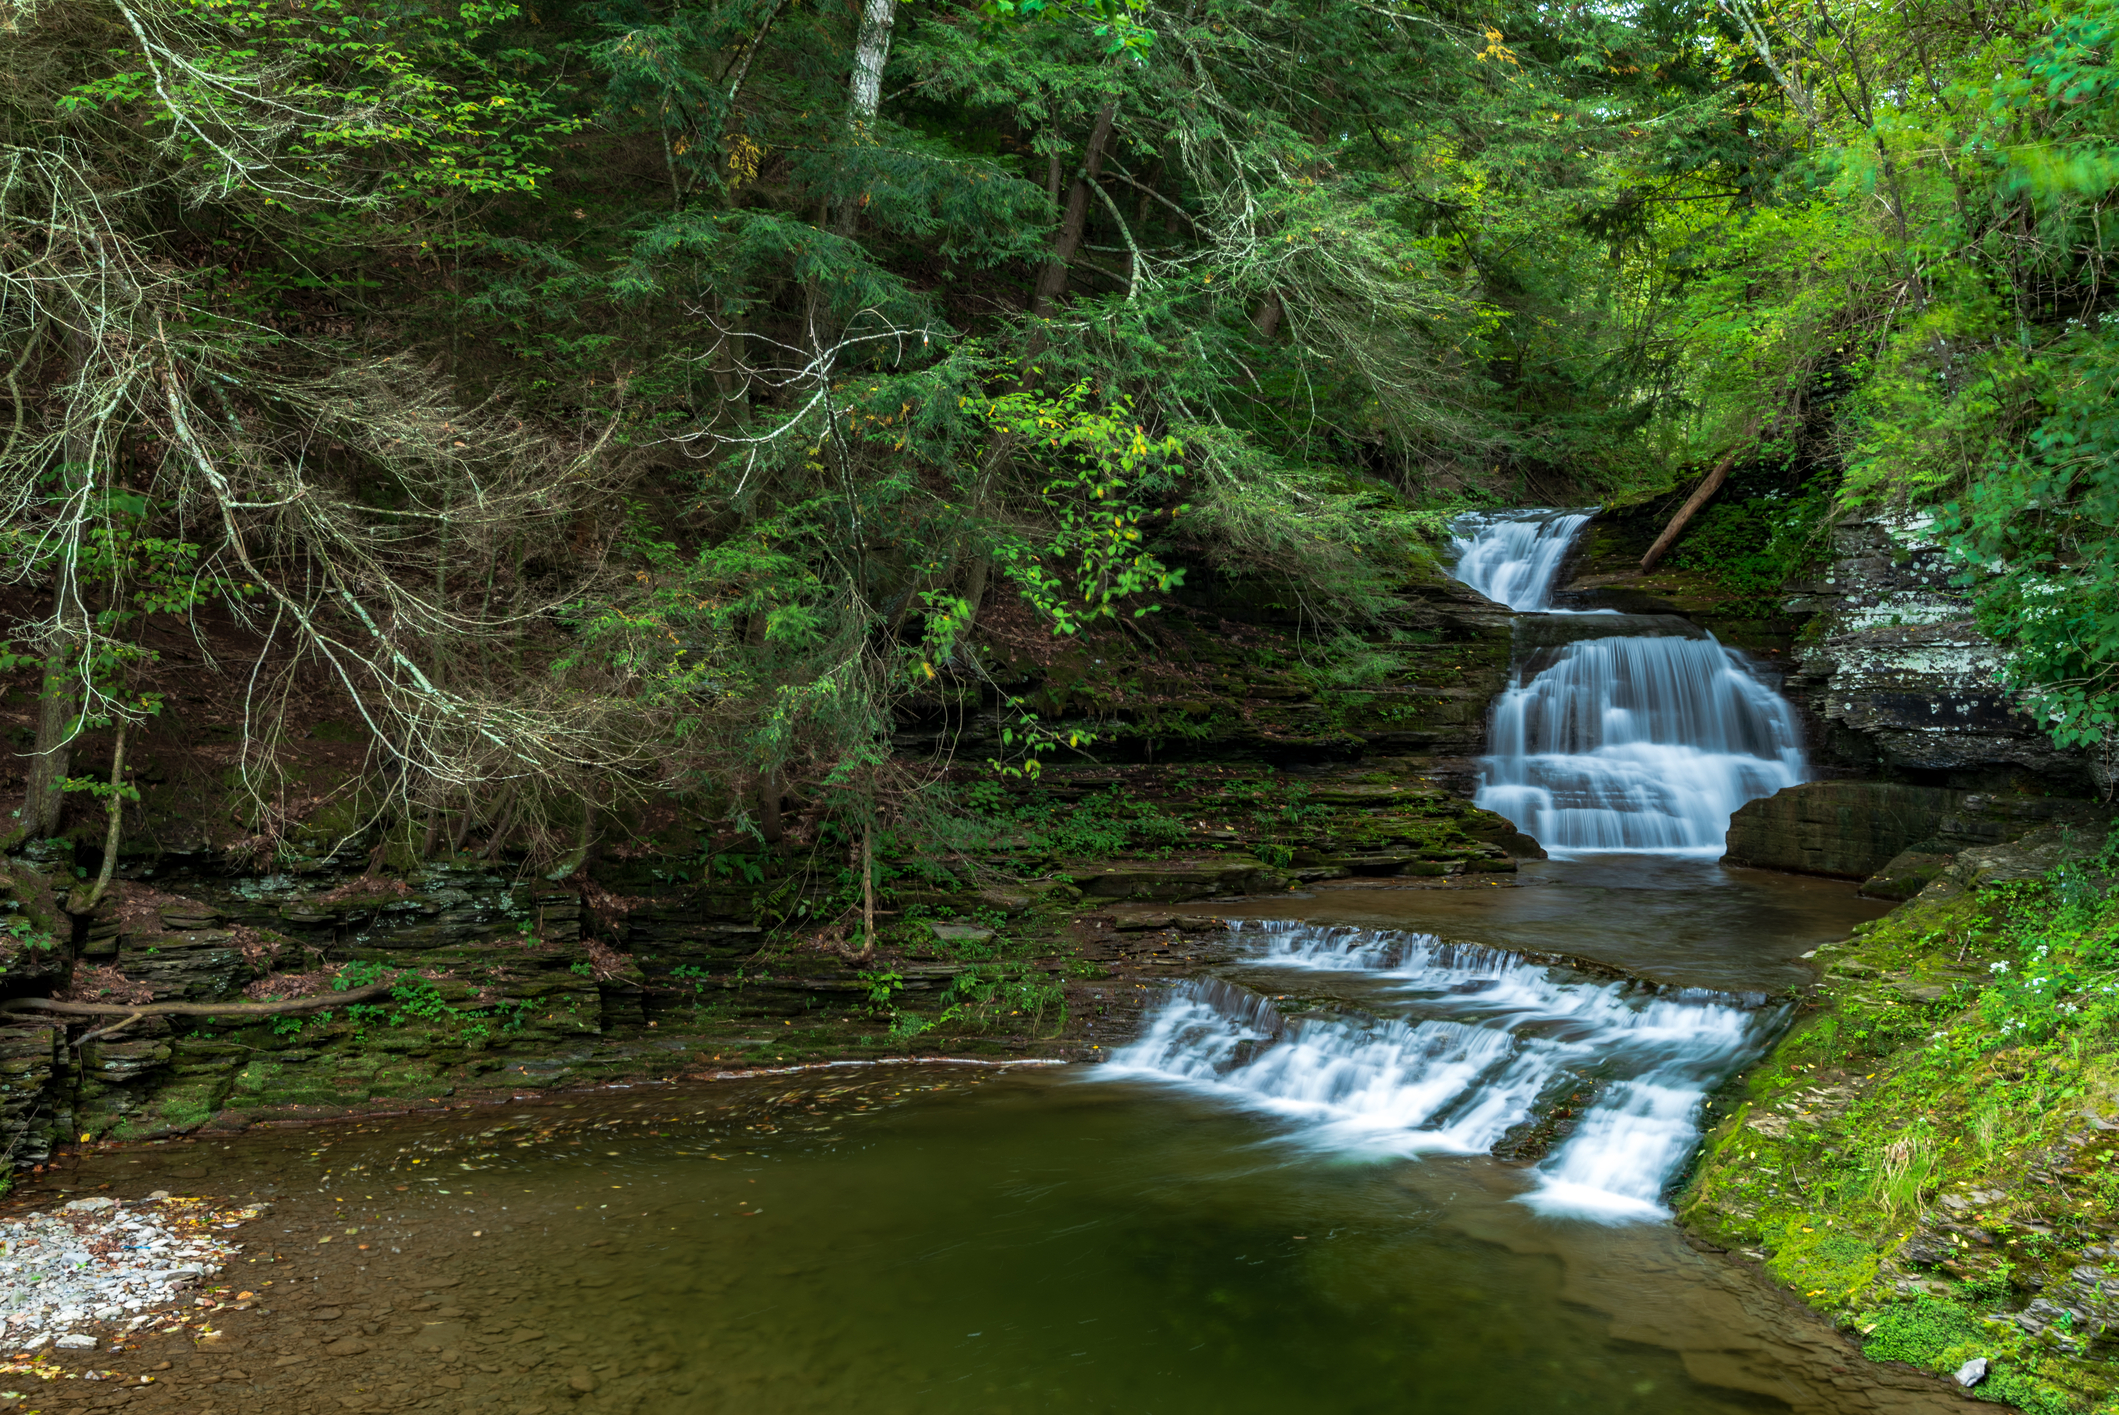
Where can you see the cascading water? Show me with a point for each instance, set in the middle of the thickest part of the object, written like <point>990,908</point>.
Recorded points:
<point>1491,1043</point>
<point>1617,743</point>
<point>1513,557</point>
<point>1646,744</point>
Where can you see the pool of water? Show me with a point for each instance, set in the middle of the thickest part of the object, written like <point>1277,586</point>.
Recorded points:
<point>1687,921</point>
<point>946,1239</point>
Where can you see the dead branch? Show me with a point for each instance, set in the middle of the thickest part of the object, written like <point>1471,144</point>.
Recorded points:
<point>196,1009</point>
<point>1700,497</point>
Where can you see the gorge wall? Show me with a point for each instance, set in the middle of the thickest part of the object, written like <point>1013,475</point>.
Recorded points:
<point>1238,757</point>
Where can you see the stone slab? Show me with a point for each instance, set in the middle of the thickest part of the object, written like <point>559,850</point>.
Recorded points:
<point>1854,829</point>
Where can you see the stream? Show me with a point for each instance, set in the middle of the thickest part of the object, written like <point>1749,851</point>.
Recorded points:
<point>1411,1150</point>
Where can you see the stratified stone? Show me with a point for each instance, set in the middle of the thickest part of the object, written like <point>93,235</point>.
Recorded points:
<point>201,966</point>
<point>1178,881</point>
<point>1900,675</point>
<point>1854,829</point>
<point>33,1064</point>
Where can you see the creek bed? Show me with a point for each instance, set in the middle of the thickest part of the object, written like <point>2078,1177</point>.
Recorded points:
<point>954,1239</point>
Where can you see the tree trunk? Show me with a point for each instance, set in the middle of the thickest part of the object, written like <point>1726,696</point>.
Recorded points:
<point>871,51</point>
<point>769,807</point>
<point>85,901</point>
<point>1052,280</point>
<point>1700,497</point>
<point>59,706</point>
<point>974,595</point>
<point>868,884</point>
<point>43,803</point>
<point>1267,320</point>
<point>864,96</point>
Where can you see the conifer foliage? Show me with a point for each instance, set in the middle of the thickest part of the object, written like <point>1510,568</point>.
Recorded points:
<point>613,399</point>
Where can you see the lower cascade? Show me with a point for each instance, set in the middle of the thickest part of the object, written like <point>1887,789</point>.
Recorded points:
<point>1491,1046</point>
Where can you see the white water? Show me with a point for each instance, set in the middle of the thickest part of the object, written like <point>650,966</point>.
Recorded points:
<point>1639,744</point>
<point>1491,1042</point>
<point>1513,557</point>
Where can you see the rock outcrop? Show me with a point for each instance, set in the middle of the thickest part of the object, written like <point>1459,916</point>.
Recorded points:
<point>1900,679</point>
<point>1890,832</point>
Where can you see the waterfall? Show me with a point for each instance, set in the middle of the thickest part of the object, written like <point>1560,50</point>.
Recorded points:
<point>1513,557</point>
<point>1490,1044</point>
<point>1635,742</point>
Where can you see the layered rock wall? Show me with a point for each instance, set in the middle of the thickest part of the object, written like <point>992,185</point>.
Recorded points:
<point>1901,682</point>
<point>1858,829</point>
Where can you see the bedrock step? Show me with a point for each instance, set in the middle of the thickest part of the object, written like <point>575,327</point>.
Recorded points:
<point>1853,829</point>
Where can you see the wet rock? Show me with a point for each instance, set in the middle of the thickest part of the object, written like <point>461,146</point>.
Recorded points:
<point>2048,1318</point>
<point>35,1062</point>
<point>348,1346</point>
<point>32,947</point>
<point>101,942</point>
<point>2030,857</point>
<point>1972,1372</point>
<point>1548,631</point>
<point>1860,829</point>
<point>1907,874</point>
<point>1177,882</point>
<point>1901,678</point>
<point>960,933</point>
<point>186,916</point>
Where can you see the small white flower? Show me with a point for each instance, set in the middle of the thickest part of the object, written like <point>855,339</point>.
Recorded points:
<point>1997,967</point>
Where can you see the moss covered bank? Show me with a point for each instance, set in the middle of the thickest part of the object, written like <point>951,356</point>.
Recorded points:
<point>1931,1155</point>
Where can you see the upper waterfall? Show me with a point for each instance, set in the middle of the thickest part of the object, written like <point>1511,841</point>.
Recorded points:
<point>1513,557</point>
<point>1619,741</point>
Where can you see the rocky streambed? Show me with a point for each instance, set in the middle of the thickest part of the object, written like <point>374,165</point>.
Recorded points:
<point>97,1269</point>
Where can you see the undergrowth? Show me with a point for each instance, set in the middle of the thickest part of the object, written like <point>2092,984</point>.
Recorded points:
<point>1923,1155</point>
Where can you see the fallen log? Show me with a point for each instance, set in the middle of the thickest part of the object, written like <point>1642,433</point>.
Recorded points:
<point>139,1011</point>
<point>1707,488</point>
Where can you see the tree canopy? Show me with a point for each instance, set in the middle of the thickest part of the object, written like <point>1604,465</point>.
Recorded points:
<point>616,397</point>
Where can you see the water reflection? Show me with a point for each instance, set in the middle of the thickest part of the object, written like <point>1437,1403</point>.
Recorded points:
<point>921,1240</point>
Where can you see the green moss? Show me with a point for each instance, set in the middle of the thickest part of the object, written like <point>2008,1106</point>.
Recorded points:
<point>1941,1335</point>
<point>1950,1053</point>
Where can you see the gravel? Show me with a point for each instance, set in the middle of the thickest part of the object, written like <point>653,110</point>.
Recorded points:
<point>103,1263</point>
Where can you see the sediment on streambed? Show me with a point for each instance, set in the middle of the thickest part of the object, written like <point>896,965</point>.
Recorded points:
<point>1931,1155</point>
<point>91,1272</point>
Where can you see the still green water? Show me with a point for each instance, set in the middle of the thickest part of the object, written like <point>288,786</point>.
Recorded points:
<point>947,1240</point>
